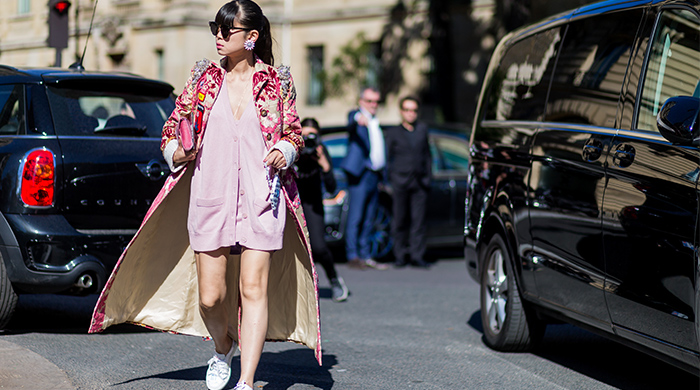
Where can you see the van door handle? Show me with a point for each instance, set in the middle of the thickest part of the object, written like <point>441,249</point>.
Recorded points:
<point>592,150</point>
<point>623,155</point>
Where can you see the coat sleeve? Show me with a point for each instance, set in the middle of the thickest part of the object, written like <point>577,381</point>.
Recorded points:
<point>183,107</point>
<point>291,125</point>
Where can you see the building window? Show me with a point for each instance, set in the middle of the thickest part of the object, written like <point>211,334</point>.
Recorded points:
<point>23,7</point>
<point>316,89</point>
<point>374,66</point>
<point>160,63</point>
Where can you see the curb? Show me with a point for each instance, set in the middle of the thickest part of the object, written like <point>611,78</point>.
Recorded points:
<point>21,368</point>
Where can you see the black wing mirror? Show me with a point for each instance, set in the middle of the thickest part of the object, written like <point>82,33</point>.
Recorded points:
<point>678,120</point>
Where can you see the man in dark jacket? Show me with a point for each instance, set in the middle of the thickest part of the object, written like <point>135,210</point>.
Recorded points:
<point>409,165</point>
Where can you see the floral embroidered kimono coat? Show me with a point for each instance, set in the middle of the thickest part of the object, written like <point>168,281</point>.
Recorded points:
<point>154,283</point>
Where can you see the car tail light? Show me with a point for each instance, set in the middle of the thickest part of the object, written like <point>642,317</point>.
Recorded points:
<point>339,198</point>
<point>37,181</point>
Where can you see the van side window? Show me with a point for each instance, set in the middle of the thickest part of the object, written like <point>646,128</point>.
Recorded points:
<point>12,110</point>
<point>518,89</point>
<point>673,64</point>
<point>591,69</point>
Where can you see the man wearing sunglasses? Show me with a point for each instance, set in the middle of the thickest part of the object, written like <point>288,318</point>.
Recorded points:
<point>409,165</point>
<point>363,165</point>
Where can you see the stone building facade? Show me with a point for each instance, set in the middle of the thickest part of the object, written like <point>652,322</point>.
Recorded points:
<point>162,39</point>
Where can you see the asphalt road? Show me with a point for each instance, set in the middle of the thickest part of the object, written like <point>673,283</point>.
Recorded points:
<point>400,329</point>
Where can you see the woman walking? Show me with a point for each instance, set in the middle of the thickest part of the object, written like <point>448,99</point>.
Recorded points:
<point>225,241</point>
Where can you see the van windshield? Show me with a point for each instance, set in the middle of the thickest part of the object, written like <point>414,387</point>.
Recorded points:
<point>108,111</point>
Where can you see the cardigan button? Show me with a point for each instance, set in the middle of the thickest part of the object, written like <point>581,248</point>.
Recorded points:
<point>269,136</point>
<point>263,112</point>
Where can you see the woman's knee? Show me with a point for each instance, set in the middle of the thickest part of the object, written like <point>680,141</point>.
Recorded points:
<point>253,289</point>
<point>209,301</point>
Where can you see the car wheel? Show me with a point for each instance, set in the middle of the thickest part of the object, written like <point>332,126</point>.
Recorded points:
<point>380,239</point>
<point>507,325</point>
<point>8,297</point>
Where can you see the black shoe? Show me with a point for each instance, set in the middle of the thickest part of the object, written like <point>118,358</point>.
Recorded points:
<point>400,263</point>
<point>420,264</point>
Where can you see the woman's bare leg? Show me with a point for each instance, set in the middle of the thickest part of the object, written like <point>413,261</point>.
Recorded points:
<point>255,270</point>
<point>211,275</point>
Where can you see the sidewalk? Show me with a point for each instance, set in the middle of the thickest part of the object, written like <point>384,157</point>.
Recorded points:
<point>21,368</point>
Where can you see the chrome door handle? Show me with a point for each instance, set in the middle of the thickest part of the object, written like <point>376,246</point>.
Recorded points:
<point>623,156</point>
<point>592,150</point>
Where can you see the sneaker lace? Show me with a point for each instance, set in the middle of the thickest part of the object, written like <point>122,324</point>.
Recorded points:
<point>218,367</point>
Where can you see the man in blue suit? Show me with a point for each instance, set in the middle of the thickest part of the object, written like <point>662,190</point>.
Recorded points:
<point>363,164</point>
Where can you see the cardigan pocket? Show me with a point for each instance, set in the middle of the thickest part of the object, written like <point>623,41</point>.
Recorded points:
<point>260,207</point>
<point>207,214</point>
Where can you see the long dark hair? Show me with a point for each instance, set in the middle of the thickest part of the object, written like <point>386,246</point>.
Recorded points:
<point>249,15</point>
<point>310,122</point>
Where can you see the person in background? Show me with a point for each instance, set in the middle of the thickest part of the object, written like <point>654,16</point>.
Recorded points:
<point>363,165</point>
<point>315,171</point>
<point>409,165</point>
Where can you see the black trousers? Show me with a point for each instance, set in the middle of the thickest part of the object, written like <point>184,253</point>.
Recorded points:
<point>319,249</point>
<point>408,222</point>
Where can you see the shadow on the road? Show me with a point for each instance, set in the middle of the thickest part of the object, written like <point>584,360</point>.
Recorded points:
<point>281,370</point>
<point>602,359</point>
<point>65,314</point>
<point>324,293</point>
<point>193,374</point>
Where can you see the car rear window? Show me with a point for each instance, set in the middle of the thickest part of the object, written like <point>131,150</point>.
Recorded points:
<point>109,110</point>
<point>12,109</point>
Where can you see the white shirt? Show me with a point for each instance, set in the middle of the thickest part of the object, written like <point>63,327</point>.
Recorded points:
<point>376,141</point>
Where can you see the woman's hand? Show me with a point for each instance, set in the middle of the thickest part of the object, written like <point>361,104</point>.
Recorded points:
<point>322,160</point>
<point>275,159</point>
<point>180,156</point>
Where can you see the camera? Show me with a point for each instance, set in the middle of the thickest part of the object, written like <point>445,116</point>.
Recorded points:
<point>310,144</point>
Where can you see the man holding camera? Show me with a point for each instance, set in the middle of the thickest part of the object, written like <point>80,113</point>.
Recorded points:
<point>314,171</point>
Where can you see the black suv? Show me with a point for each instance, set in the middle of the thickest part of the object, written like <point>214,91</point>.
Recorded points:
<point>583,197</point>
<point>80,164</point>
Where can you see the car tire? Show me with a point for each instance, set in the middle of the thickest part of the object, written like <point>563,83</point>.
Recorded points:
<point>380,240</point>
<point>8,297</point>
<point>508,325</point>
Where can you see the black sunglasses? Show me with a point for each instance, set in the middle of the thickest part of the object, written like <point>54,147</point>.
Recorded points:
<point>225,30</point>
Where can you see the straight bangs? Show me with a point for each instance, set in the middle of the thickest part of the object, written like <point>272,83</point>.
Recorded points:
<point>227,14</point>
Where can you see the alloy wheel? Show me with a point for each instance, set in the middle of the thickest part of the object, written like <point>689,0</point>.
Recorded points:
<point>496,290</point>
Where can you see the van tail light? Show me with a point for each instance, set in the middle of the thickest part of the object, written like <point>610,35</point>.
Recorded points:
<point>37,182</point>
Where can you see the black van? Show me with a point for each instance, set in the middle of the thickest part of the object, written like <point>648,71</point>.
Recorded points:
<point>582,199</point>
<point>80,164</point>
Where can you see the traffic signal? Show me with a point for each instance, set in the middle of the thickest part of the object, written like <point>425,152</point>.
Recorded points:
<point>58,24</point>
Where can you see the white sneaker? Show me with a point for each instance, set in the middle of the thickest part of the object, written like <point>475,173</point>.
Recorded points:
<point>219,371</point>
<point>339,291</point>
<point>242,386</point>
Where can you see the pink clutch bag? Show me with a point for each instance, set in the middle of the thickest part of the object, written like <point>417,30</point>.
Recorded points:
<point>185,133</point>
